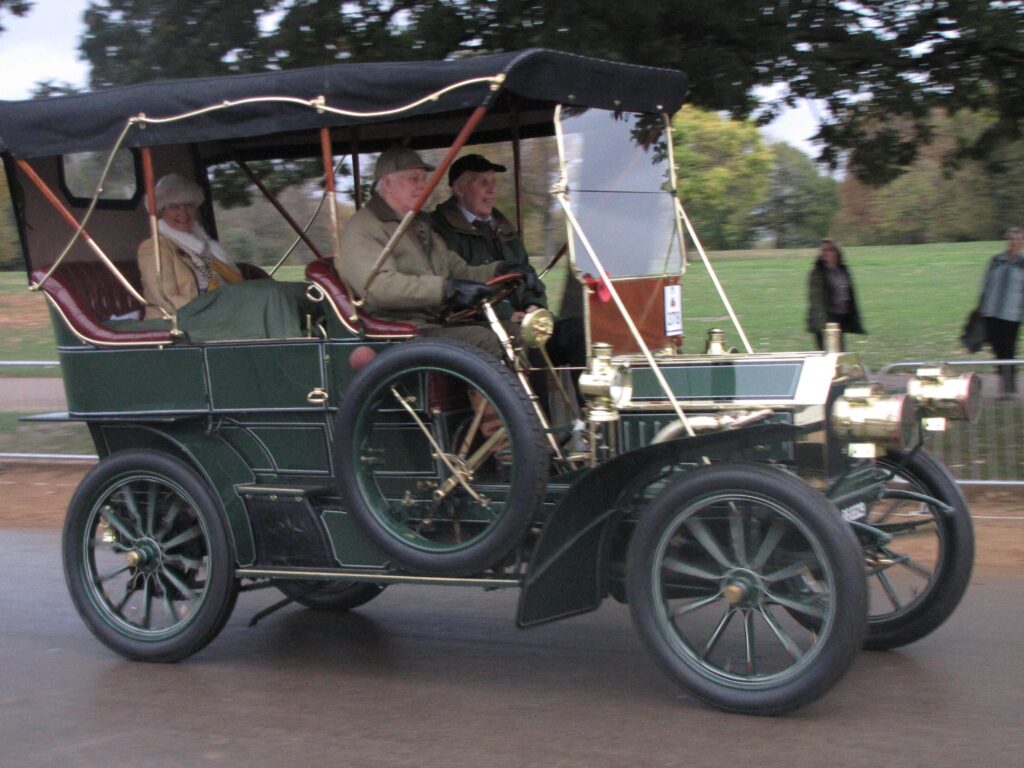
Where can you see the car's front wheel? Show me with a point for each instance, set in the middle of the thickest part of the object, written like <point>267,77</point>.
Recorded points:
<point>717,567</point>
<point>147,557</point>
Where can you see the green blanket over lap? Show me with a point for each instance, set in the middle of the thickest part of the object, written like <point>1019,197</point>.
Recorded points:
<point>255,309</point>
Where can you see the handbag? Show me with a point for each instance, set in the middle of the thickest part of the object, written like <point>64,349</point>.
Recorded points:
<point>975,333</point>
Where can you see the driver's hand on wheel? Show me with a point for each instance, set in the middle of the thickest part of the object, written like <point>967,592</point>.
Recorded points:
<point>531,282</point>
<point>462,294</point>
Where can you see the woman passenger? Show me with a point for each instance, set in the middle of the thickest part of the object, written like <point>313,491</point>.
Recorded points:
<point>199,282</point>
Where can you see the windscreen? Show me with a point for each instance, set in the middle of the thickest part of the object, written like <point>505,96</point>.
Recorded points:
<point>619,192</point>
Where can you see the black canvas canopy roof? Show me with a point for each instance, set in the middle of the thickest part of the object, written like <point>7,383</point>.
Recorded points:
<point>93,121</point>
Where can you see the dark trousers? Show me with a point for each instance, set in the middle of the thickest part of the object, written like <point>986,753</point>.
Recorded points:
<point>1002,335</point>
<point>474,334</point>
<point>568,344</point>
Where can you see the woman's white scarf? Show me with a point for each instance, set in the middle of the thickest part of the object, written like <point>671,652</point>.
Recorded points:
<point>195,242</point>
<point>200,247</point>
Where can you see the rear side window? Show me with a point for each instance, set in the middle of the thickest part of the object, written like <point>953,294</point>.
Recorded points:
<point>80,172</point>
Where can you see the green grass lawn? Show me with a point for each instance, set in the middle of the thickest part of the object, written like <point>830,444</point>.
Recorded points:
<point>43,437</point>
<point>25,332</point>
<point>913,299</point>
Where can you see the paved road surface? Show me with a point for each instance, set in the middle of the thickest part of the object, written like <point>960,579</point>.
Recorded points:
<point>434,677</point>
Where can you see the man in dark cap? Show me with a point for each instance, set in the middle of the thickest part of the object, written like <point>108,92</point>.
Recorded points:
<point>480,234</point>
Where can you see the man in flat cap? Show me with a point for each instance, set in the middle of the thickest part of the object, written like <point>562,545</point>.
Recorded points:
<point>421,276</point>
<point>480,234</point>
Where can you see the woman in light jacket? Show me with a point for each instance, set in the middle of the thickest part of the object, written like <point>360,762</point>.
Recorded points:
<point>200,283</point>
<point>1002,305</point>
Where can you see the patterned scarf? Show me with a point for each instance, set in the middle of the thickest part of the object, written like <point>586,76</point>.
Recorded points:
<point>209,260</point>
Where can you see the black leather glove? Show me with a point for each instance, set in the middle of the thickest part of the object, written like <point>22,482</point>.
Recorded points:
<point>462,294</point>
<point>531,282</point>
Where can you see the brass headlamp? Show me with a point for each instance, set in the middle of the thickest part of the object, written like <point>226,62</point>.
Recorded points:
<point>939,393</point>
<point>537,327</point>
<point>867,414</point>
<point>606,386</point>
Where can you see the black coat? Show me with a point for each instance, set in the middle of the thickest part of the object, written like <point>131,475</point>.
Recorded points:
<point>818,302</point>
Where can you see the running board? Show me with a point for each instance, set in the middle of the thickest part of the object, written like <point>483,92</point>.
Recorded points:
<point>375,577</point>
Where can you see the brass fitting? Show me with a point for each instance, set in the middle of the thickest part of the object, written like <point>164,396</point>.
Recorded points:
<point>938,392</point>
<point>832,338</point>
<point>867,414</point>
<point>606,386</point>
<point>537,327</point>
<point>715,345</point>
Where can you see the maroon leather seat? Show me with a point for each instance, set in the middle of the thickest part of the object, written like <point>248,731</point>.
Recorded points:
<point>87,294</point>
<point>321,273</point>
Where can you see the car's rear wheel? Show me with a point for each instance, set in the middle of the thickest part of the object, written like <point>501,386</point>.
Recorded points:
<point>440,457</point>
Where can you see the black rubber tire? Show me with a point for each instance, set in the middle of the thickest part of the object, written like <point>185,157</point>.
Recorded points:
<point>670,560</point>
<point>334,596</point>
<point>193,556</point>
<point>954,562</point>
<point>359,488</point>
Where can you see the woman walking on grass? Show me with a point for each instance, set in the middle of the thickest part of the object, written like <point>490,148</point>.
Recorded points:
<point>831,298</point>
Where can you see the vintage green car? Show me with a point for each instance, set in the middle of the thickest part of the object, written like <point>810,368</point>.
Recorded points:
<point>764,515</point>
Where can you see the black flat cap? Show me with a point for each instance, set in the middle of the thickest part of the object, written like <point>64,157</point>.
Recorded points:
<point>477,163</point>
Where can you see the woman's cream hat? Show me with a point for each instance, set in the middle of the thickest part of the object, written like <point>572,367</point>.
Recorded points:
<point>173,189</point>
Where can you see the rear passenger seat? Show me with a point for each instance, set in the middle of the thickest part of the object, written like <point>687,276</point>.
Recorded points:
<point>87,295</point>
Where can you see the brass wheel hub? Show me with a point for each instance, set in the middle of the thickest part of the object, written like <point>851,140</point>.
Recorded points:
<point>145,556</point>
<point>742,588</point>
<point>134,558</point>
<point>735,592</point>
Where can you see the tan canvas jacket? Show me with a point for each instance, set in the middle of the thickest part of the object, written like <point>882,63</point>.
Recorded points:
<point>176,285</point>
<point>411,285</point>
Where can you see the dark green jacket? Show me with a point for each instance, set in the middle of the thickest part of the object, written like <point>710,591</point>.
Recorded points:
<point>478,248</point>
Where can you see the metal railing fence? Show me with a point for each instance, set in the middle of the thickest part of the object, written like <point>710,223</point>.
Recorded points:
<point>988,452</point>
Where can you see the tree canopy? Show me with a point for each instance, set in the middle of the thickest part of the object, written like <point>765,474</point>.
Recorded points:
<point>932,202</point>
<point>800,204</point>
<point>879,66</point>
<point>726,175</point>
<point>15,7</point>
<point>10,244</point>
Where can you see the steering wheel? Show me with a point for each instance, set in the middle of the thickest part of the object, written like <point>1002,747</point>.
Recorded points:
<point>506,285</point>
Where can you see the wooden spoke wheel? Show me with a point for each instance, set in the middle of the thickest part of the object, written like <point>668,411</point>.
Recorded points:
<point>439,457</point>
<point>147,557</point>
